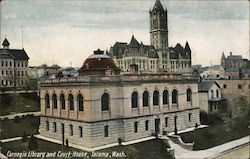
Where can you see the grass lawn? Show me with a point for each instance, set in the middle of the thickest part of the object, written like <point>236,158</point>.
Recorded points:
<point>14,128</point>
<point>215,135</point>
<point>152,149</point>
<point>18,103</point>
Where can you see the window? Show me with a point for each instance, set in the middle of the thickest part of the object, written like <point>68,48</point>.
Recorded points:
<point>71,130</point>
<point>146,125</point>
<point>165,97</point>
<point>105,102</point>
<point>2,72</point>
<point>145,98</point>
<point>47,103</point>
<point>156,98</point>
<point>80,102</point>
<point>62,101</point>
<point>217,93</point>
<point>2,63</point>
<point>212,93</point>
<point>166,122</point>
<point>6,72</point>
<point>134,100</point>
<point>47,125</point>
<point>189,95</point>
<point>174,97</point>
<point>62,128</point>
<point>189,117</point>
<point>10,63</point>
<point>135,127</point>
<point>224,86</point>
<point>6,63</point>
<point>54,101</point>
<point>239,86</point>
<point>54,126</point>
<point>106,131</point>
<point>71,102</point>
<point>80,131</point>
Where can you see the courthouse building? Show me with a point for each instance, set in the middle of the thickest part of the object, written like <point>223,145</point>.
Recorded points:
<point>100,106</point>
<point>156,57</point>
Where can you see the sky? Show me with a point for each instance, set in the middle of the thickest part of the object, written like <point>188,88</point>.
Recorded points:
<point>66,32</point>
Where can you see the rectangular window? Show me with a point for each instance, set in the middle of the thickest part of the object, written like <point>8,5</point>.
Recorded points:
<point>217,93</point>
<point>2,72</point>
<point>166,122</point>
<point>189,117</point>
<point>135,127</point>
<point>239,86</point>
<point>80,131</point>
<point>212,93</point>
<point>47,125</point>
<point>224,86</point>
<point>62,128</point>
<point>71,130</point>
<point>106,131</point>
<point>54,125</point>
<point>10,63</point>
<point>2,63</point>
<point>6,63</point>
<point>146,125</point>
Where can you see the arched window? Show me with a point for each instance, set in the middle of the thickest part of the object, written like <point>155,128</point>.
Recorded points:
<point>189,95</point>
<point>54,101</point>
<point>71,102</point>
<point>62,101</point>
<point>105,101</point>
<point>80,102</point>
<point>145,99</point>
<point>165,97</point>
<point>174,97</point>
<point>47,103</point>
<point>134,100</point>
<point>156,98</point>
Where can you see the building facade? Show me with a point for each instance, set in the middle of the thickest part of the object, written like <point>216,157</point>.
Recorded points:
<point>98,108</point>
<point>14,66</point>
<point>231,90</point>
<point>210,98</point>
<point>156,57</point>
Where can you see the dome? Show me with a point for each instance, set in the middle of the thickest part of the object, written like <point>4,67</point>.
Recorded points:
<point>98,63</point>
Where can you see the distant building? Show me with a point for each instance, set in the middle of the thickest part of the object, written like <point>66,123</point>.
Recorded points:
<point>213,72</point>
<point>235,66</point>
<point>231,90</point>
<point>210,99</point>
<point>36,72</point>
<point>156,57</point>
<point>14,66</point>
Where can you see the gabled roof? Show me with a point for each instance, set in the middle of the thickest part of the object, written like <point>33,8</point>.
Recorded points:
<point>223,56</point>
<point>205,86</point>
<point>235,57</point>
<point>187,48</point>
<point>134,43</point>
<point>17,54</point>
<point>6,42</point>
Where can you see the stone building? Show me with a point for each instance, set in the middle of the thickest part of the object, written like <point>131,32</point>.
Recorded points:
<point>99,107</point>
<point>156,57</point>
<point>14,66</point>
<point>232,90</point>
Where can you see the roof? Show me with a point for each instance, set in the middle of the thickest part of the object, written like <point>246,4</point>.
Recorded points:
<point>134,43</point>
<point>99,61</point>
<point>232,70</point>
<point>5,42</point>
<point>235,57</point>
<point>17,54</point>
<point>158,6</point>
<point>205,86</point>
<point>223,56</point>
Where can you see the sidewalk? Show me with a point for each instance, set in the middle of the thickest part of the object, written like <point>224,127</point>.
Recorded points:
<point>20,114</point>
<point>181,153</point>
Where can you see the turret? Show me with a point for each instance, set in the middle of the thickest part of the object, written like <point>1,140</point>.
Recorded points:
<point>6,44</point>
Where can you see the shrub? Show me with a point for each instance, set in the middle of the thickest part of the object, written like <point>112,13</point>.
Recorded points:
<point>17,119</point>
<point>32,145</point>
<point>210,118</point>
<point>24,137</point>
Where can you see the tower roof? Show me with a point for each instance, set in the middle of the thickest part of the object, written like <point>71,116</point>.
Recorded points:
<point>223,56</point>
<point>187,48</point>
<point>158,6</point>
<point>134,43</point>
<point>6,43</point>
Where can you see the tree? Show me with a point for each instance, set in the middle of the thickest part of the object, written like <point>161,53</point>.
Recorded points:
<point>33,145</point>
<point>242,107</point>
<point>24,137</point>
